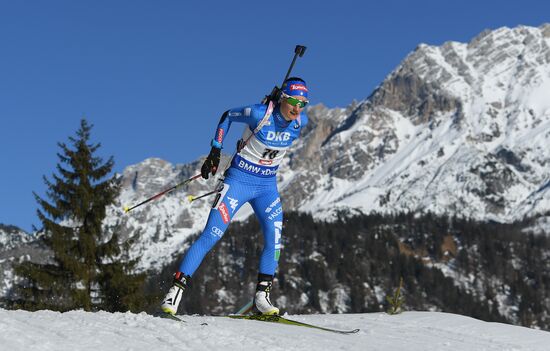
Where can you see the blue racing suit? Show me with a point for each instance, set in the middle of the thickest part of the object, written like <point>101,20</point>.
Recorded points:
<point>250,178</point>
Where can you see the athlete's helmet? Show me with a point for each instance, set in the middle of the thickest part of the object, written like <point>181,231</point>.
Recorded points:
<point>295,86</point>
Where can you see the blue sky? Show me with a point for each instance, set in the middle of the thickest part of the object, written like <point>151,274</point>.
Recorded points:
<point>154,76</point>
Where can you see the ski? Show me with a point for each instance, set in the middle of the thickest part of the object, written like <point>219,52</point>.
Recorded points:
<point>169,316</point>
<point>172,317</point>
<point>282,320</point>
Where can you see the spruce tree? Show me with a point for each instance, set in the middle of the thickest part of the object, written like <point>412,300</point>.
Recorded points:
<point>85,271</point>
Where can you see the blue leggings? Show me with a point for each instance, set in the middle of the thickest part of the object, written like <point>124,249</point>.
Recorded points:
<point>239,188</point>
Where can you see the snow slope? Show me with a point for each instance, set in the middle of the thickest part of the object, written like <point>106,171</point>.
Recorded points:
<point>78,330</point>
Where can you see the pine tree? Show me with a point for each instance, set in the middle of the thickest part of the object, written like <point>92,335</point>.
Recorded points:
<point>85,271</point>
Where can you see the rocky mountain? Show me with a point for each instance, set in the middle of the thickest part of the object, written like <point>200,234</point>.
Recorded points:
<point>16,245</point>
<point>12,236</point>
<point>461,128</point>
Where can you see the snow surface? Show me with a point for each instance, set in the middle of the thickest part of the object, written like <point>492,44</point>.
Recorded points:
<point>78,330</point>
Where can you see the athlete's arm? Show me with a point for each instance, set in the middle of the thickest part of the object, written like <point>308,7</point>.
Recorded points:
<point>246,114</point>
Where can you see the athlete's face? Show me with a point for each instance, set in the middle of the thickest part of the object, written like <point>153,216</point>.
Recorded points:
<point>289,112</point>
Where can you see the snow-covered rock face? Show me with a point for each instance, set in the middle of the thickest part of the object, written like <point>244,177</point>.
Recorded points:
<point>11,237</point>
<point>461,128</point>
<point>17,246</point>
<point>159,227</point>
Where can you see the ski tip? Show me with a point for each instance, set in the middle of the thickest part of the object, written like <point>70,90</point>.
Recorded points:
<point>167,315</point>
<point>126,209</point>
<point>190,198</point>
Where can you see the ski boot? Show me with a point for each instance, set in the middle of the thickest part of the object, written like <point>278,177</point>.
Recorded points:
<point>172,299</point>
<point>262,304</point>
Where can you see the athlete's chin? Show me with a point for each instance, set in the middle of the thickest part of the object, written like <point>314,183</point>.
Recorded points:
<point>291,116</point>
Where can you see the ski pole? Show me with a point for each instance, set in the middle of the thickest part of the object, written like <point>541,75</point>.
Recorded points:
<point>154,197</point>
<point>219,187</point>
<point>192,198</point>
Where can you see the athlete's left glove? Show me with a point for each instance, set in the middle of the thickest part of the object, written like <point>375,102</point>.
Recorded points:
<point>211,163</point>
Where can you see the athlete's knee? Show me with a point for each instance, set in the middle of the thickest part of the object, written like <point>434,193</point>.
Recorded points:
<point>210,236</point>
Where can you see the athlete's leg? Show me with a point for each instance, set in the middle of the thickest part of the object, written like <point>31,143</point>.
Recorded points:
<point>267,207</point>
<point>228,201</point>
<point>269,211</point>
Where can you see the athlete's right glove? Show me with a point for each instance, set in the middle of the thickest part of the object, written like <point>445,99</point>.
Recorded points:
<point>211,163</point>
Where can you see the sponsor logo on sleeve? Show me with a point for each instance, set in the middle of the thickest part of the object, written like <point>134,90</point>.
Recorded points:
<point>219,138</point>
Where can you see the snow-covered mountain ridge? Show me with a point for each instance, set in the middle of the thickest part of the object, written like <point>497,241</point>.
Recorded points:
<point>16,245</point>
<point>12,236</point>
<point>461,128</point>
